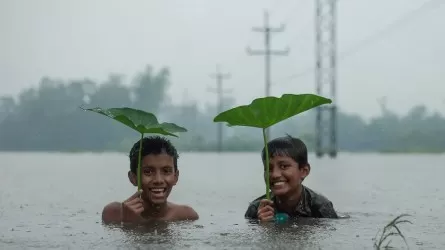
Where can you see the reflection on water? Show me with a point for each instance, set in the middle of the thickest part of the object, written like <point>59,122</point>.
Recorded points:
<point>298,233</point>
<point>293,234</point>
<point>301,233</point>
<point>155,233</point>
<point>58,206</point>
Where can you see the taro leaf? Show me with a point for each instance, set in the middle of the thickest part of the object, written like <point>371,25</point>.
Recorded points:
<point>141,121</point>
<point>267,111</point>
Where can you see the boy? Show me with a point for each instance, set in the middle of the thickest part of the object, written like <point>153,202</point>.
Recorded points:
<point>288,168</point>
<point>159,173</point>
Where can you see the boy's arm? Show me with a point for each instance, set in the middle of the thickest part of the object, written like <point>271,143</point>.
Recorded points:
<point>111,213</point>
<point>327,210</point>
<point>252,211</point>
<point>188,213</point>
<point>321,206</point>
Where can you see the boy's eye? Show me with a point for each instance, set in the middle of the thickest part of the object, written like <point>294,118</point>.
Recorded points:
<point>168,170</point>
<point>282,166</point>
<point>147,171</point>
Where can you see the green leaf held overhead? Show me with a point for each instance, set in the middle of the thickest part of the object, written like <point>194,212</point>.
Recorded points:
<point>141,121</point>
<point>267,111</point>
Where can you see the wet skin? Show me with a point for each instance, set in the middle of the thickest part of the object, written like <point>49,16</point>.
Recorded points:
<point>158,176</point>
<point>286,178</point>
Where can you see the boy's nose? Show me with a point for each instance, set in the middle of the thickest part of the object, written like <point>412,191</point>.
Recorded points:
<point>275,173</point>
<point>158,177</point>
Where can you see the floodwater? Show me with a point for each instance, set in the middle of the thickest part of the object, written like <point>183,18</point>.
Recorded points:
<point>54,201</point>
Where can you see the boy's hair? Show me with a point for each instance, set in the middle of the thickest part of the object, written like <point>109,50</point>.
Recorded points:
<point>152,145</point>
<point>287,146</point>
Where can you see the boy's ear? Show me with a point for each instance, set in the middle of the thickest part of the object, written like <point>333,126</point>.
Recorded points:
<point>176,177</point>
<point>133,178</point>
<point>306,170</point>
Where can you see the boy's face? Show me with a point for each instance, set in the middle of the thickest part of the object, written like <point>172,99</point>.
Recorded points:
<point>285,175</point>
<point>158,176</point>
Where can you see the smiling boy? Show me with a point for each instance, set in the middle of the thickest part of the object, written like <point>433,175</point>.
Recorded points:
<point>159,173</point>
<point>288,168</point>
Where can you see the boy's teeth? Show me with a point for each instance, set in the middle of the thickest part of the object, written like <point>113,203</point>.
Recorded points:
<point>278,183</point>
<point>157,189</point>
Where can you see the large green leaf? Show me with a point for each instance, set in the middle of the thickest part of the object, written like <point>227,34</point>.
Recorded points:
<point>141,121</point>
<point>267,111</point>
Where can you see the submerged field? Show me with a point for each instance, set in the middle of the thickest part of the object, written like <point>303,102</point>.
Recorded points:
<point>53,201</point>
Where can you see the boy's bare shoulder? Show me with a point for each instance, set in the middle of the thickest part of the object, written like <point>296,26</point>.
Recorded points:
<point>184,212</point>
<point>111,212</point>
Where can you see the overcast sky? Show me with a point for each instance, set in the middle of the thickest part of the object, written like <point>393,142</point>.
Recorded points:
<point>92,38</point>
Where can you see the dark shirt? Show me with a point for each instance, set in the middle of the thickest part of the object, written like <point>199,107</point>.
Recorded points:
<point>311,204</point>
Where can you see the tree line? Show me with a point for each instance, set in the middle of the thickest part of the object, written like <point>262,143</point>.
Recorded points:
<point>48,118</point>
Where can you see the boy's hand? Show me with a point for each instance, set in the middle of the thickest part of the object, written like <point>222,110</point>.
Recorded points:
<point>266,211</point>
<point>132,207</point>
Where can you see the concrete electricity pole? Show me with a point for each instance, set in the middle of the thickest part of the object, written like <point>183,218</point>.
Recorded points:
<point>220,99</point>
<point>267,52</point>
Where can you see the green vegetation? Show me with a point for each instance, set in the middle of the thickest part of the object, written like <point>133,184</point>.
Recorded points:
<point>47,118</point>
<point>267,111</point>
<point>390,230</point>
<point>140,121</point>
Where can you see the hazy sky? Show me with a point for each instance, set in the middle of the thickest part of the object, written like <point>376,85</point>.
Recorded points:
<point>92,38</point>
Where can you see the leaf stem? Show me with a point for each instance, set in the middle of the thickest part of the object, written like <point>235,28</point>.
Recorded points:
<point>139,163</point>
<point>267,165</point>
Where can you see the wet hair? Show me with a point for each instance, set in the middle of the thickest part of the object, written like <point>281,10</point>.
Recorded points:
<point>287,146</point>
<point>152,145</point>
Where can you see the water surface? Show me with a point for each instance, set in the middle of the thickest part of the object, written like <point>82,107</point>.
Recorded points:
<point>54,201</point>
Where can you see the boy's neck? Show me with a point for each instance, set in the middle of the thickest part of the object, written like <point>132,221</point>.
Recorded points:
<point>289,203</point>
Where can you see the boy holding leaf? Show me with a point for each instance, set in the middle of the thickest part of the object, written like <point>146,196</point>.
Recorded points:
<point>288,168</point>
<point>159,173</point>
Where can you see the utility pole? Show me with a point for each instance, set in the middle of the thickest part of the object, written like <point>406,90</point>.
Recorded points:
<point>267,53</point>
<point>326,76</point>
<point>220,99</point>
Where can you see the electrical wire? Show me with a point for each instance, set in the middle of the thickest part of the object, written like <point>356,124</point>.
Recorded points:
<point>374,37</point>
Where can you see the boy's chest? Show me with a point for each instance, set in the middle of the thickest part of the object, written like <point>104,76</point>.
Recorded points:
<point>302,209</point>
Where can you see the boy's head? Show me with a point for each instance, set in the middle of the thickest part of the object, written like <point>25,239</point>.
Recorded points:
<point>288,164</point>
<point>159,168</point>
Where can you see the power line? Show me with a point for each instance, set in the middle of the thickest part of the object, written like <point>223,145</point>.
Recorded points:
<point>374,37</point>
<point>292,12</point>
<point>267,52</point>
<point>220,77</point>
<point>306,27</point>
<point>397,23</point>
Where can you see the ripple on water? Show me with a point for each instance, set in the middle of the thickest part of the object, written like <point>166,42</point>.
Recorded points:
<point>58,213</point>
